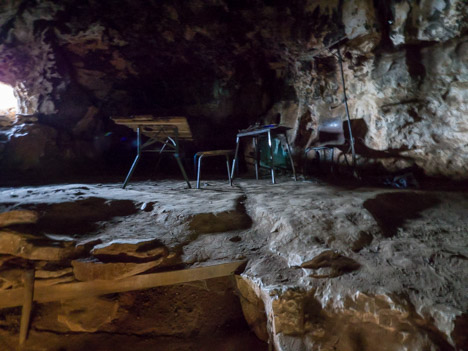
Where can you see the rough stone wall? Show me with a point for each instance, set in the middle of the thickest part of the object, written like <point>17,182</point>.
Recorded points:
<point>226,64</point>
<point>406,69</point>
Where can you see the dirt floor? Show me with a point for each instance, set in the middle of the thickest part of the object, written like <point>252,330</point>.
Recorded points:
<point>372,264</point>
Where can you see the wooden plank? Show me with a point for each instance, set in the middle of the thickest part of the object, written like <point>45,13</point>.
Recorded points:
<point>27,305</point>
<point>14,297</point>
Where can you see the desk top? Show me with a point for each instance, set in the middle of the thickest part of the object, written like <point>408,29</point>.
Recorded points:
<point>272,128</point>
<point>150,125</point>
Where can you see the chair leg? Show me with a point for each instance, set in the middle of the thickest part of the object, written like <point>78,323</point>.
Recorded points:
<point>255,142</point>
<point>332,159</point>
<point>319,161</point>
<point>199,171</point>
<point>272,167</point>
<point>290,157</point>
<point>195,169</point>
<point>228,169</point>
<point>234,165</point>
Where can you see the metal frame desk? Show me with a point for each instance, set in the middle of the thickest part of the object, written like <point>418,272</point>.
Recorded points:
<point>255,133</point>
<point>163,130</point>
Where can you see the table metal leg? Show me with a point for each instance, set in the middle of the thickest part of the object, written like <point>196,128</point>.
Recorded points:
<point>235,160</point>
<point>160,154</point>
<point>175,142</point>
<point>255,142</point>
<point>318,154</point>
<point>290,157</point>
<point>181,166</point>
<point>135,162</point>
<point>270,144</point>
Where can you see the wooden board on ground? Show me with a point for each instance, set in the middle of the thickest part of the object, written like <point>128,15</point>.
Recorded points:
<point>151,125</point>
<point>14,297</point>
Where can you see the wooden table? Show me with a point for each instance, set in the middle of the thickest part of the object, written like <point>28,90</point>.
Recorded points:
<point>255,133</point>
<point>160,130</point>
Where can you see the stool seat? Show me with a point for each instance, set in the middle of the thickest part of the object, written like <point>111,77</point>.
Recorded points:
<point>210,153</point>
<point>214,153</point>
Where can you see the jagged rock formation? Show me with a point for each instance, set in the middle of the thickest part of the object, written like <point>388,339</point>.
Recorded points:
<point>226,64</point>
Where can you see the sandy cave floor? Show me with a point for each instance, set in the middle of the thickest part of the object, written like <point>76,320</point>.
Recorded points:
<point>384,241</point>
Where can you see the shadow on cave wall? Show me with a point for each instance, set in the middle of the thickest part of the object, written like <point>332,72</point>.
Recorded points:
<point>367,157</point>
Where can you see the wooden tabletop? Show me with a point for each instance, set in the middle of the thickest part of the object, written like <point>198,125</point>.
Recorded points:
<point>151,125</point>
<point>272,128</point>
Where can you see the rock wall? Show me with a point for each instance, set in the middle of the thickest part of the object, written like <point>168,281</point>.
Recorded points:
<point>226,64</point>
<point>405,67</point>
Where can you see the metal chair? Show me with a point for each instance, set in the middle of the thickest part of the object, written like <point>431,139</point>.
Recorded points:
<point>212,153</point>
<point>330,135</point>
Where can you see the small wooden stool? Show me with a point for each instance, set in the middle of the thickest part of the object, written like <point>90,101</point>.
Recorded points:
<point>202,154</point>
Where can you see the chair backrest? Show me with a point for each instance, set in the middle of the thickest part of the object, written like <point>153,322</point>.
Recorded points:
<point>331,132</point>
<point>331,125</point>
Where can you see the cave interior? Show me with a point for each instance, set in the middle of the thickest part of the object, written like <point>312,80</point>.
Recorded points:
<point>365,247</point>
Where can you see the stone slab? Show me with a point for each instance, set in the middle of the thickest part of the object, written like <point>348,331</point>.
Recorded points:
<point>18,217</point>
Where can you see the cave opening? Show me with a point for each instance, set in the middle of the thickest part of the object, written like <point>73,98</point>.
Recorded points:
<point>8,102</point>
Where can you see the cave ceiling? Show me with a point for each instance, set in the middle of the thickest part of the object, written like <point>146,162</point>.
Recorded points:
<point>227,64</point>
<point>129,56</point>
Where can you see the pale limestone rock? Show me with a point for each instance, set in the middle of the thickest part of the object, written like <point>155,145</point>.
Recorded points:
<point>410,103</point>
<point>439,20</point>
<point>288,313</point>
<point>139,250</point>
<point>54,281</point>
<point>87,314</point>
<point>95,80</point>
<point>400,15</point>
<point>329,311</point>
<point>424,116</point>
<point>29,143</point>
<point>85,270</point>
<point>358,17</point>
<point>87,122</point>
<point>18,217</point>
<point>30,247</point>
<point>46,274</point>
<point>299,321</point>
<point>203,223</point>
<point>253,309</point>
<point>403,295</point>
<point>5,258</point>
<point>11,278</point>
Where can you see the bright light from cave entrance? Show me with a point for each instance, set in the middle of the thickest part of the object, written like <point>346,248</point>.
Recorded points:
<point>7,98</point>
